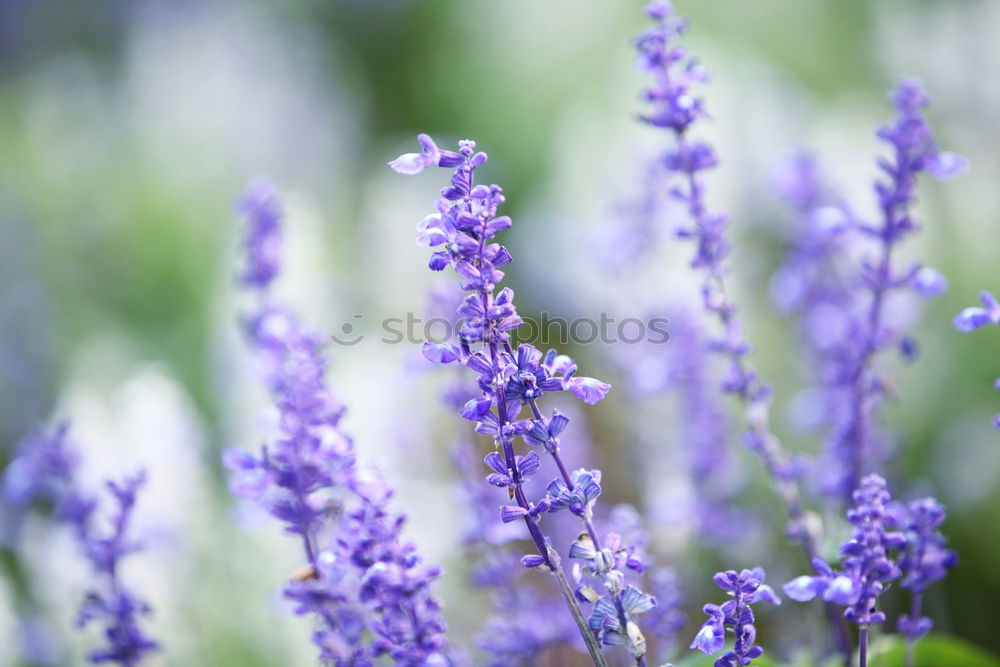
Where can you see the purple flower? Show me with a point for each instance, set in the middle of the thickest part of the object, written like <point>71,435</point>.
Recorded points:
<point>746,588</point>
<point>925,559</point>
<point>675,108</point>
<point>841,304</point>
<point>588,390</point>
<point>973,318</point>
<point>115,606</point>
<point>914,151</point>
<point>364,584</point>
<point>45,470</point>
<point>262,241</point>
<point>414,163</point>
<point>512,379</point>
<point>867,560</point>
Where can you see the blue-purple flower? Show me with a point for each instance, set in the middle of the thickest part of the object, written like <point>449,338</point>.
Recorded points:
<point>745,588</point>
<point>926,559</point>
<point>974,317</point>
<point>513,379</point>
<point>366,586</point>
<point>868,560</point>
<point>45,470</point>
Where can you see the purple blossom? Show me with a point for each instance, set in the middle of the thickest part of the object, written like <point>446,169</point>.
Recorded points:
<point>745,588</point>
<point>524,621</point>
<point>868,331</point>
<point>511,380</point>
<point>364,584</point>
<point>675,108</point>
<point>972,318</point>
<point>262,240</point>
<point>868,561</point>
<point>926,559</point>
<point>45,470</point>
<point>115,606</point>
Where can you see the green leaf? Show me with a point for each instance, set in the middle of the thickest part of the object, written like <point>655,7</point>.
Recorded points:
<point>932,651</point>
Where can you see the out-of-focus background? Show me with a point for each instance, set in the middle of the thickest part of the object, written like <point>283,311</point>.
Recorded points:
<point>128,129</point>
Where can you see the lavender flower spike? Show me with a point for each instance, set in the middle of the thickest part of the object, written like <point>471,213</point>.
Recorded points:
<point>45,470</point>
<point>867,562</point>
<point>925,560</point>
<point>972,318</point>
<point>745,588</point>
<point>914,151</point>
<point>364,585</point>
<point>674,108</point>
<point>510,380</point>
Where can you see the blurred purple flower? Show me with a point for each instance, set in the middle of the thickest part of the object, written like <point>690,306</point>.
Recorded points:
<point>972,318</point>
<point>364,584</point>
<point>851,375</point>
<point>45,470</point>
<point>925,559</point>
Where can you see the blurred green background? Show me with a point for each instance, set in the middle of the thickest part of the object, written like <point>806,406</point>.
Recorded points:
<point>128,129</point>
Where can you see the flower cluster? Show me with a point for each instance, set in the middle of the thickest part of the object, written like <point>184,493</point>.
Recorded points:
<point>925,559</point>
<point>746,588</point>
<point>365,585</point>
<point>974,317</point>
<point>705,432</point>
<point>867,328</point>
<point>45,471</point>
<point>524,620</point>
<point>674,108</point>
<point>867,560</point>
<point>462,230</point>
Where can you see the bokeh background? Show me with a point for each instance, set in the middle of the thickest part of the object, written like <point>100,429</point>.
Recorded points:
<point>128,129</point>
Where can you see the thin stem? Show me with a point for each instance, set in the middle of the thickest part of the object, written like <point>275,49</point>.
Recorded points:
<point>588,637</point>
<point>549,555</point>
<point>585,518</point>
<point>756,410</point>
<point>863,647</point>
<point>911,643</point>
<point>541,543</point>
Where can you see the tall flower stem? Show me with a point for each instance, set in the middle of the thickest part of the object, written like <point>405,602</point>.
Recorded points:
<point>675,109</point>
<point>550,556</point>
<point>586,517</point>
<point>863,646</point>
<point>744,383</point>
<point>512,377</point>
<point>911,642</point>
<point>593,648</point>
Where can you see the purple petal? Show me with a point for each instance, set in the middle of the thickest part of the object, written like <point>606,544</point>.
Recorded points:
<point>510,513</point>
<point>947,165</point>
<point>532,560</point>
<point>441,353</point>
<point>588,390</point>
<point>971,319</point>
<point>929,283</point>
<point>710,638</point>
<point>804,588</point>
<point>409,164</point>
